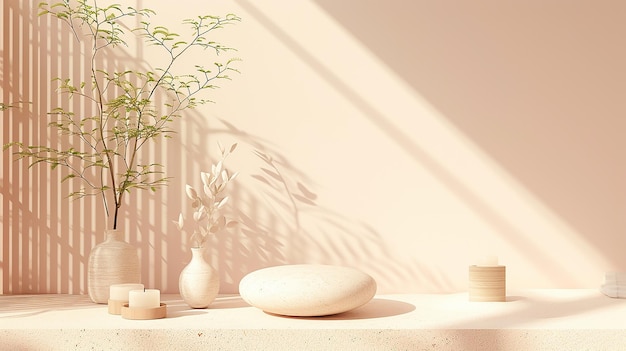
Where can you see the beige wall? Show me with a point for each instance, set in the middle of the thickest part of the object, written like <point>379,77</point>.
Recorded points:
<point>408,138</point>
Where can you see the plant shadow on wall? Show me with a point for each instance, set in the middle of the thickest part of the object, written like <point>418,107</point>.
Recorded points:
<point>335,236</point>
<point>281,222</point>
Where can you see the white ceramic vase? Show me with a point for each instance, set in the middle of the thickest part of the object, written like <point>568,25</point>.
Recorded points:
<point>113,261</point>
<point>198,282</point>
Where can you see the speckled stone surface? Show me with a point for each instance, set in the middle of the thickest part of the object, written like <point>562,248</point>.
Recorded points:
<point>580,319</point>
<point>307,290</point>
<point>314,340</point>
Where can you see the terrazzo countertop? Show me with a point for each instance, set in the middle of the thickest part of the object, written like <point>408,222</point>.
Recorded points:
<point>528,320</point>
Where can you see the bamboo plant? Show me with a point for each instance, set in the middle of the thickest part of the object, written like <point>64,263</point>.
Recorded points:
<point>127,116</point>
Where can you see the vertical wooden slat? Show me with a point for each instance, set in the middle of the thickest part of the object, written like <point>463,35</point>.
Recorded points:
<point>6,160</point>
<point>78,214</point>
<point>24,135</point>
<point>31,213</point>
<point>40,38</point>
<point>16,181</point>
<point>65,233</point>
<point>53,210</point>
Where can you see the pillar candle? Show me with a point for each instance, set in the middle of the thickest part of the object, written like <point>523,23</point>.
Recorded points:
<point>119,292</point>
<point>146,298</point>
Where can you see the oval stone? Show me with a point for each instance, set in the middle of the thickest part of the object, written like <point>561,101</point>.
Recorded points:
<point>307,290</point>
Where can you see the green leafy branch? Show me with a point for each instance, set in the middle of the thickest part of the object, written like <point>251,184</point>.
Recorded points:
<point>125,114</point>
<point>7,105</point>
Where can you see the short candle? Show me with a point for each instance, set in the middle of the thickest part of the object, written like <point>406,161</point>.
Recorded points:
<point>119,292</point>
<point>146,298</point>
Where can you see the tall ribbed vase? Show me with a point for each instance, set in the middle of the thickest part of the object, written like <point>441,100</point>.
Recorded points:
<point>198,282</point>
<point>113,261</point>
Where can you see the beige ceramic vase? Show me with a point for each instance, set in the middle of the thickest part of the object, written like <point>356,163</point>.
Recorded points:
<point>113,261</point>
<point>198,282</point>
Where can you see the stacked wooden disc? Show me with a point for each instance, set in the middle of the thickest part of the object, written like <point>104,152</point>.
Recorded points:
<point>115,306</point>
<point>487,283</point>
<point>144,313</point>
